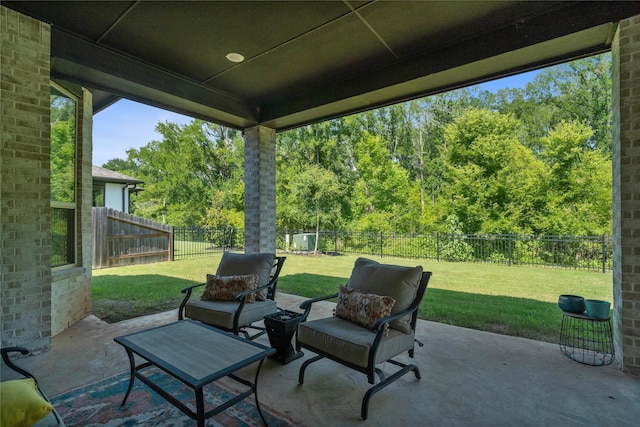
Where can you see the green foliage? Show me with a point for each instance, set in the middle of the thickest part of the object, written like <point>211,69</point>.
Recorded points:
<point>63,178</point>
<point>374,221</point>
<point>315,193</point>
<point>493,181</point>
<point>382,186</point>
<point>580,181</point>
<point>63,129</point>
<point>454,247</point>
<point>312,177</point>
<point>527,161</point>
<point>223,218</point>
<point>182,171</point>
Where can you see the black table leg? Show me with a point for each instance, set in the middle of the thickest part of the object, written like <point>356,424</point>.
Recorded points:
<point>255,392</point>
<point>132,377</point>
<point>200,407</point>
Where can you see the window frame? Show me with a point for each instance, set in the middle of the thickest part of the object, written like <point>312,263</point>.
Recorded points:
<point>101,186</point>
<point>72,206</point>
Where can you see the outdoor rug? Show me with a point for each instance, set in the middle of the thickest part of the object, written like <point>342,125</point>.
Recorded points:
<point>98,404</point>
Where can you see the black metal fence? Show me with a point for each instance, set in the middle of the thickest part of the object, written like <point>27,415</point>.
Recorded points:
<point>577,252</point>
<point>192,242</point>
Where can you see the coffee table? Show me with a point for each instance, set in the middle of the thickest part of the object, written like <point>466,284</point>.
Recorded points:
<point>196,354</point>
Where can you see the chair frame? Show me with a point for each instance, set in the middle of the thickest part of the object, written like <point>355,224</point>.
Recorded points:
<point>379,326</point>
<point>5,351</point>
<point>237,328</point>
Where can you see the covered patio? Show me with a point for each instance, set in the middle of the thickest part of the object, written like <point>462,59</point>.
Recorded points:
<point>469,378</point>
<point>303,62</point>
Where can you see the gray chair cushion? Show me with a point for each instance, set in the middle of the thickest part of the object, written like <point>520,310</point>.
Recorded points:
<point>220,313</point>
<point>351,342</point>
<point>399,282</point>
<point>233,264</point>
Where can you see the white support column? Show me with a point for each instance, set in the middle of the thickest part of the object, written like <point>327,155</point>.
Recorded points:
<point>260,189</point>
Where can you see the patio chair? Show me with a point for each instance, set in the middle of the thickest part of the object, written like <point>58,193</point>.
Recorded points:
<point>374,321</point>
<point>231,300</point>
<point>22,402</point>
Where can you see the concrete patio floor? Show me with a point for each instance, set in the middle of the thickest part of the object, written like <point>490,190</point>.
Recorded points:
<point>469,378</point>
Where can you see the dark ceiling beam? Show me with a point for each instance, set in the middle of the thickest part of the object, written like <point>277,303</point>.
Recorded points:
<point>565,31</point>
<point>437,83</point>
<point>123,76</point>
<point>504,65</point>
<point>571,18</point>
<point>105,101</point>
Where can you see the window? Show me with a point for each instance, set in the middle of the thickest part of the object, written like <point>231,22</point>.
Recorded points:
<point>98,194</point>
<point>63,178</point>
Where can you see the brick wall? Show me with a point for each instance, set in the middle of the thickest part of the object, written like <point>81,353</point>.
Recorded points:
<point>36,302</point>
<point>260,189</point>
<point>25,230</point>
<point>626,193</point>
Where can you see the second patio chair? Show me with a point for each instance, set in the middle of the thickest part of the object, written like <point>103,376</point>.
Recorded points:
<point>240,294</point>
<point>374,321</point>
<point>22,402</point>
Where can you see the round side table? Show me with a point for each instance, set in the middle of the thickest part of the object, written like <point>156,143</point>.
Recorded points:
<point>586,339</point>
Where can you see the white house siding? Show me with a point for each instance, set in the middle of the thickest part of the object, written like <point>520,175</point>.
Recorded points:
<point>113,194</point>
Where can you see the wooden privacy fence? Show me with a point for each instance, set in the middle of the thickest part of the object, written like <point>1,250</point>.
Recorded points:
<point>121,239</point>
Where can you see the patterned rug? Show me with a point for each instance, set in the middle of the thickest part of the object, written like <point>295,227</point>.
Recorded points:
<point>98,404</point>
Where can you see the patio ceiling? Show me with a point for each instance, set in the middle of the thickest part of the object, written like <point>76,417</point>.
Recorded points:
<point>308,61</point>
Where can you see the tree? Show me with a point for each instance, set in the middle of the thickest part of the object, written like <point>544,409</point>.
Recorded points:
<point>581,91</point>
<point>325,145</point>
<point>63,151</point>
<point>382,185</point>
<point>533,160</point>
<point>127,167</point>
<point>183,171</point>
<point>493,180</point>
<point>578,90</point>
<point>579,182</point>
<point>315,192</point>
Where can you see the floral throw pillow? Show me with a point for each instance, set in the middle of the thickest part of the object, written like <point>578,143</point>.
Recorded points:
<point>226,288</point>
<point>362,308</point>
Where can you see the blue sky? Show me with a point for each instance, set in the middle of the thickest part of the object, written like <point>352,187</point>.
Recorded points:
<point>127,124</point>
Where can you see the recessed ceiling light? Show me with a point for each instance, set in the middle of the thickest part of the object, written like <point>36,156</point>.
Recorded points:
<point>235,57</point>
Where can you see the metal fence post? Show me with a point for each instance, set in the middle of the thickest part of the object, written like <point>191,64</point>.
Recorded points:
<point>604,256</point>
<point>381,255</point>
<point>173,246</point>
<point>509,246</point>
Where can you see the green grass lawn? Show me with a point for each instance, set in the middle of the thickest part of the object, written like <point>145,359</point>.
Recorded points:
<point>518,301</point>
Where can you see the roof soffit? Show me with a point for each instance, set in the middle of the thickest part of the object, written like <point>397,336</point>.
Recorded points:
<point>306,61</point>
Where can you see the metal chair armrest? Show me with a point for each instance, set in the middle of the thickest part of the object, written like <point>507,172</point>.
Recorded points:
<point>379,324</point>
<point>192,287</point>
<point>5,357</point>
<point>188,290</point>
<point>306,305</point>
<point>243,295</point>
